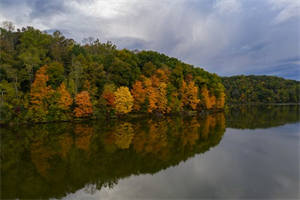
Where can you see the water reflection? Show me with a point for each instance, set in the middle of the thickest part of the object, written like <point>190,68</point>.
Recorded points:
<point>261,116</point>
<point>49,161</point>
<point>54,160</point>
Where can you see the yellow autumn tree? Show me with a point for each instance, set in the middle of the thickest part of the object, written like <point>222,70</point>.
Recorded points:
<point>65,100</point>
<point>206,98</point>
<point>162,101</point>
<point>152,99</point>
<point>189,94</point>
<point>84,106</point>
<point>123,100</point>
<point>213,101</point>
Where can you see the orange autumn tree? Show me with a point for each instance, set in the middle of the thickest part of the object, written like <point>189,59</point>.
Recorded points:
<point>213,101</point>
<point>162,75</point>
<point>189,94</point>
<point>107,100</point>
<point>65,100</point>
<point>60,108</point>
<point>156,91</point>
<point>84,106</point>
<point>40,95</point>
<point>152,95</point>
<point>206,98</point>
<point>123,100</point>
<point>108,95</point>
<point>162,101</point>
<point>139,95</point>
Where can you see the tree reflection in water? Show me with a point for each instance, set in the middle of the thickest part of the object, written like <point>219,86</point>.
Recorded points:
<point>51,160</point>
<point>261,116</point>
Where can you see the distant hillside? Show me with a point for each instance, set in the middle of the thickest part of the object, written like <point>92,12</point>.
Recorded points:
<point>260,89</point>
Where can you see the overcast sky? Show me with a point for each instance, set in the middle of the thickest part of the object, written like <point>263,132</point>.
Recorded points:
<point>227,37</point>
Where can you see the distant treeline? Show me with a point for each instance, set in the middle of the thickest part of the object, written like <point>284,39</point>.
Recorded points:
<point>47,77</point>
<point>260,89</point>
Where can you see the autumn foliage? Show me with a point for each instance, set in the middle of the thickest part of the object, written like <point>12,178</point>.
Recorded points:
<point>139,94</point>
<point>152,94</point>
<point>40,95</point>
<point>221,101</point>
<point>189,94</point>
<point>109,96</point>
<point>123,100</point>
<point>206,98</point>
<point>154,88</point>
<point>65,100</point>
<point>84,106</point>
<point>156,93</point>
<point>39,89</point>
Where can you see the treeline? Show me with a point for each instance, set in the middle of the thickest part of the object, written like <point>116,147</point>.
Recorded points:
<point>260,89</point>
<point>50,78</point>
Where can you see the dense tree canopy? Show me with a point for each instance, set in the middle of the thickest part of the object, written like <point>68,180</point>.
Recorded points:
<point>261,89</point>
<point>49,77</point>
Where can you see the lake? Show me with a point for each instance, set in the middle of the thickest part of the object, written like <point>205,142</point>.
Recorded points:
<point>246,152</point>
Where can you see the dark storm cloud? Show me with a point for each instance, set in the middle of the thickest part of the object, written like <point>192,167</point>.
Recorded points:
<point>287,69</point>
<point>38,8</point>
<point>223,36</point>
<point>46,7</point>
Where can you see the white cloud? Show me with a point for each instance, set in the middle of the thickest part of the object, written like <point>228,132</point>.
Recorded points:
<point>228,6</point>
<point>287,9</point>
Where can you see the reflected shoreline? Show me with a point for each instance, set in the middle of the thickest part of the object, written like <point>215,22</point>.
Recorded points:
<point>261,116</point>
<point>53,160</point>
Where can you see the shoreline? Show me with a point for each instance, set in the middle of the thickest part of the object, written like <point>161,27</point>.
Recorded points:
<point>273,104</point>
<point>135,115</point>
<point>130,116</point>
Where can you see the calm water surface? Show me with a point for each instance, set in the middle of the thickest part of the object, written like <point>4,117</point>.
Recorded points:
<point>249,152</point>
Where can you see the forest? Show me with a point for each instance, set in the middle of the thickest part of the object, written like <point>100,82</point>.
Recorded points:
<point>48,77</point>
<point>260,89</point>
